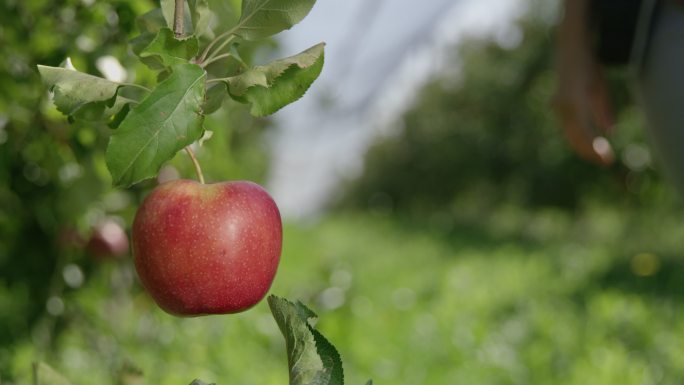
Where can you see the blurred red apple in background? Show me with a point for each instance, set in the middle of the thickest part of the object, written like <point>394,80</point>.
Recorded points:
<point>207,248</point>
<point>108,239</point>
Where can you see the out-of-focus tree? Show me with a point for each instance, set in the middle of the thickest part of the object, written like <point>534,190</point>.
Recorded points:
<point>487,136</point>
<point>54,184</point>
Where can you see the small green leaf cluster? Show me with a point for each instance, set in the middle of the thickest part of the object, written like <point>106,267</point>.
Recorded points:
<point>152,125</point>
<point>311,358</point>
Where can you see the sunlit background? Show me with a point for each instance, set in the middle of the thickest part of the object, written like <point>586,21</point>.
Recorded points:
<point>435,218</point>
<point>378,55</point>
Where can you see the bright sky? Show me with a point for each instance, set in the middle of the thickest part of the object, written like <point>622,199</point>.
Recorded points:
<point>377,55</point>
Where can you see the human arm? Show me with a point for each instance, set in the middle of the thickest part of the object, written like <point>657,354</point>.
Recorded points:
<point>581,102</point>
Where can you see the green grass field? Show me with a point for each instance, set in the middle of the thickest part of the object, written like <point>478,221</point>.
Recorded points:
<point>507,297</point>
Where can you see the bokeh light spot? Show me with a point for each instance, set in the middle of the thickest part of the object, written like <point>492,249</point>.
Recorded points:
<point>55,306</point>
<point>73,275</point>
<point>645,264</point>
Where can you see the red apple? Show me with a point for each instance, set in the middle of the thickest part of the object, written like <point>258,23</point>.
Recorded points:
<point>207,248</point>
<point>108,240</point>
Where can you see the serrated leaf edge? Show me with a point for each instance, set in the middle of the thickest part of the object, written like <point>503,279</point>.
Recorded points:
<point>244,19</point>
<point>277,76</point>
<point>306,315</point>
<point>144,54</point>
<point>51,88</point>
<point>304,91</point>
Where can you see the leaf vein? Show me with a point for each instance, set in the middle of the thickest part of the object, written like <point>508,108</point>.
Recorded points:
<point>159,129</point>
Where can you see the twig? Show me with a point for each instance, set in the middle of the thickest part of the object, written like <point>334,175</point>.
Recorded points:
<point>215,58</point>
<point>179,19</point>
<point>218,49</point>
<point>216,40</point>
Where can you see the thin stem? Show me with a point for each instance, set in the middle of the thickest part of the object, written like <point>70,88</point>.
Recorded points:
<point>198,169</point>
<point>137,86</point>
<point>216,40</point>
<point>211,44</point>
<point>178,19</point>
<point>218,49</point>
<point>215,58</point>
<point>216,80</point>
<point>236,58</point>
<point>244,65</point>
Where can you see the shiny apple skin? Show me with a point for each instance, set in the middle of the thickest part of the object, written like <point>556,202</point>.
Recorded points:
<point>207,248</point>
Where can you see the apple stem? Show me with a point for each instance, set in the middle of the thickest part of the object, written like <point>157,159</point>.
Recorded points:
<point>178,19</point>
<point>198,169</point>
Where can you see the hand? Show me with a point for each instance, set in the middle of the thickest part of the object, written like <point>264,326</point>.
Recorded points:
<point>582,101</point>
<point>586,115</point>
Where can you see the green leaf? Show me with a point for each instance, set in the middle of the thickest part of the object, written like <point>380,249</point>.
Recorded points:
<point>92,113</point>
<point>168,8</point>
<point>117,118</point>
<point>76,92</point>
<point>239,84</point>
<point>214,98</point>
<point>266,75</point>
<point>370,382</point>
<point>200,382</point>
<point>151,21</point>
<point>149,25</point>
<point>201,17</point>
<point>272,86</point>
<point>166,121</point>
<point>45,375</point>
<point>311,358</point>
<point>330,357</point>
<point>264,18</point>
<point>140,42</point>
<point>165,50</point>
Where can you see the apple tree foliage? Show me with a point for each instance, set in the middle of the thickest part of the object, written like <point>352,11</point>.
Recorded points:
<point>197,66</point>
<point>150,128</point>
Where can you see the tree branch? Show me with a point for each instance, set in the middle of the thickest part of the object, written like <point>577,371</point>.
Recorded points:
<point>179,19</point>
